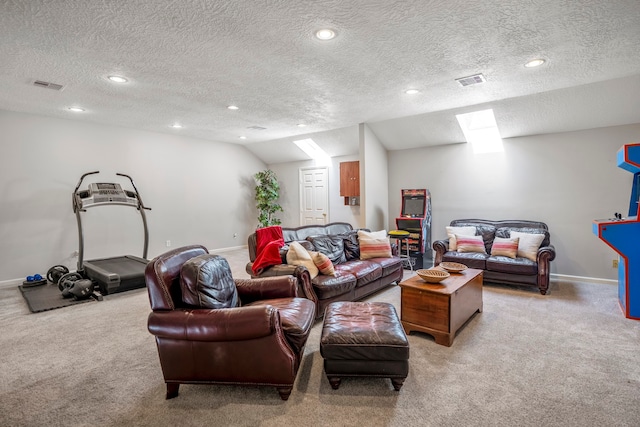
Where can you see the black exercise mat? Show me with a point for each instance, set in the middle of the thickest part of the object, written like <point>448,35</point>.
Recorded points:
<point>46,297</point>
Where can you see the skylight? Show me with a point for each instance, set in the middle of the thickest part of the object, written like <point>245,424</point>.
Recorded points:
<point>313,151</point>
<point>481,131</point>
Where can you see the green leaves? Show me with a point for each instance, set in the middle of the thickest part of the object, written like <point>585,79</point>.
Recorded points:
<point>267,193</point>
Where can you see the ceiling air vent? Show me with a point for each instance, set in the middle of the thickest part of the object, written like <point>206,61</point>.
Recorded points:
<point>256,128</point>
<point>47,85</point>
<point>471,80</point>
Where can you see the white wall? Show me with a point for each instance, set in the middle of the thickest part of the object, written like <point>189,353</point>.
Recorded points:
<point>288,178</point>
<point>566,180</point>
<point>200,192</point>
<point>374,181</point>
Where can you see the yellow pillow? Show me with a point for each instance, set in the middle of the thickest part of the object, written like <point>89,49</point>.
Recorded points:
<point>452,231</point>
<point>298,255</point>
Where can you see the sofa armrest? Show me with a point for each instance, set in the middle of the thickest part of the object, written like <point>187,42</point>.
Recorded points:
<point>305,287</point>
<point>227,324</point>
<point>394,249</point>
<point>546,254</point>
<point>264,288</point>
<point>440,247</point>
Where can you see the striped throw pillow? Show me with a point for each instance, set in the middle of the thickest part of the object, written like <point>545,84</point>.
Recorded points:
<point>298,255</point>
<point>452,231</point>
<point>505,247</point>
<point>374,244</point>
<point>323,263</point>
<point>470,244</point>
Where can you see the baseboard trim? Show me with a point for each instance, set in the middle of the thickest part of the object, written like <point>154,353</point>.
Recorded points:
<point>582,279</point>
<point>231,248</point>
<point>16,282</point>
<point>11,283</point>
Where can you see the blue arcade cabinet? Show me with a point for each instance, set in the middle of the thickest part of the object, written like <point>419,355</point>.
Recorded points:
<point>623,236</point>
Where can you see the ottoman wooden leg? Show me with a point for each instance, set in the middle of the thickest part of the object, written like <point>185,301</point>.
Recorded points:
<point>397,383</point>
<point>335,382</point>
<point>172,390</point>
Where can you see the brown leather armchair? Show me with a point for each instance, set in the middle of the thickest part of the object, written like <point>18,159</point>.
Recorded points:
<point>260,342</point>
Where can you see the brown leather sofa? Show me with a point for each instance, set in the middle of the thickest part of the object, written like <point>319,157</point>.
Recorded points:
<point>502,269</point>
<point>258,343</point>
<point>355,278</point>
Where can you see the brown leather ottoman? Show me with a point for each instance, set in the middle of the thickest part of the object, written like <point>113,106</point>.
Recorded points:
<point>364,339</point>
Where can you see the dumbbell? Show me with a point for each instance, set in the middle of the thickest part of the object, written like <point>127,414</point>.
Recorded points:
<point>35,280</point>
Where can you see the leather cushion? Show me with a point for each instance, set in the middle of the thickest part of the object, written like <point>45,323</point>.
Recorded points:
<point>206,282</point>
<point>470,259</point>
<point>330,286</point>
<point>389,265</point>
<point>506,232</point>
<point>296,315</point>
<point>365,271</point>
<point>363,331</point>
<point>512,265</point>
<point>351,245</point>
<point>331,246</point>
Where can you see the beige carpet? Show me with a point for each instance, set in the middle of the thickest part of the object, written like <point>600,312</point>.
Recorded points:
<point>566,359</point>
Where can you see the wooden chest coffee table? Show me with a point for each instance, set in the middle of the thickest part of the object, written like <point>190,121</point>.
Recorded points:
<point>440,309</point>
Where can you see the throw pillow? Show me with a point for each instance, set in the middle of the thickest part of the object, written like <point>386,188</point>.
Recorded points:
<point>528,244</point>
<point>298,255</point>
<point>323,263</point>
<point>505,247</point>
<point>206,282</point>
<point>351,245</point>
<point>470,244</point>
<point>374,244</point>
<point>330,245</point>
<point>452,231</point>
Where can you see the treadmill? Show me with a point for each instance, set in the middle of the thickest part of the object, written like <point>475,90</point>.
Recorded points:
<point>115,274</point>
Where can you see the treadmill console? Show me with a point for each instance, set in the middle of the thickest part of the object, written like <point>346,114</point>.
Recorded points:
<point>105,193</point>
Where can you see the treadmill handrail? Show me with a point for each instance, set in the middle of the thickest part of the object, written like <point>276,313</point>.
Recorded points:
<point>77,208</point>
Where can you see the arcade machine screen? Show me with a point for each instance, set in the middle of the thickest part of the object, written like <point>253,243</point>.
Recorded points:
<point>413,207</point>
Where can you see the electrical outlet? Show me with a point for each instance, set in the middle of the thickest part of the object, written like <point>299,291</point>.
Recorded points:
<point>168,243</point>
<point>235,235</point>
<point>614,263</point>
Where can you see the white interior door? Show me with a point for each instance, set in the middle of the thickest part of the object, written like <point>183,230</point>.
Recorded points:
<point>314,196</point>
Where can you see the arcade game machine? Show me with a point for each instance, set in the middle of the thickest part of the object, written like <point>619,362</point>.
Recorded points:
<point>415,217</point>
<point>623,234</point>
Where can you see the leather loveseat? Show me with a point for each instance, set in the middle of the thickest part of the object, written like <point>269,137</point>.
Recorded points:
<point>354,279</point>
<point>503,269</point>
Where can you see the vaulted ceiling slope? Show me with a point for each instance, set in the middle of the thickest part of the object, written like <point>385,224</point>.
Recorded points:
<point>188,60</point>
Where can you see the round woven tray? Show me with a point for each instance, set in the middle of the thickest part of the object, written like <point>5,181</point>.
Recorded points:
<point>432,276</point>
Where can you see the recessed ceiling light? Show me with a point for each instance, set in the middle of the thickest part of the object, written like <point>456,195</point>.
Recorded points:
<point>411,91</point>
<point>325,34</point>
<point>301,125</point>
<point>76,109</point>
<point>534,63</point>
<point>118,79</point>
<point>233,107</point>
<point>242,137</point>
<point>176,125</point>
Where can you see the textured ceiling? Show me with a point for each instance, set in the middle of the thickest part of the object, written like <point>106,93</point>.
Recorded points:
<point>187,60</point>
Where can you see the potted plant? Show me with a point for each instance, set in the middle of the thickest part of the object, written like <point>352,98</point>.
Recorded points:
<point>267,193</point>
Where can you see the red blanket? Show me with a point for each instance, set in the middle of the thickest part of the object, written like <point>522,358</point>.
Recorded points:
<point>269,240</point>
